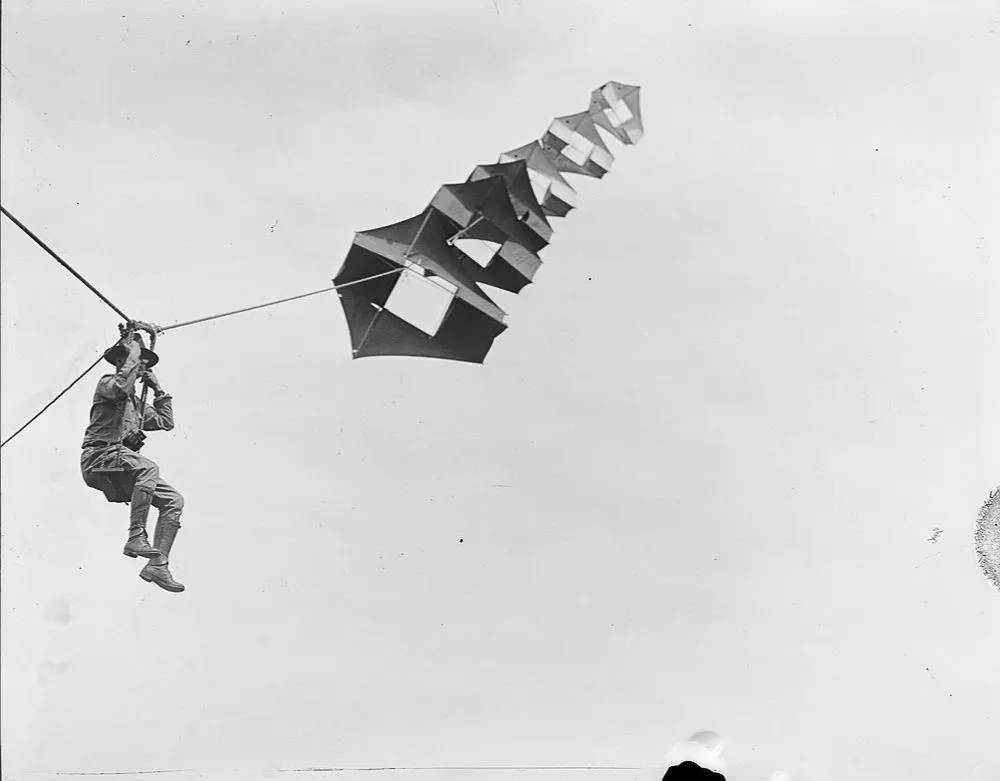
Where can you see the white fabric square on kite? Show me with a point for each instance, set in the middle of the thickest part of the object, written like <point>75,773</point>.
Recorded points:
<point>479,250</point>
<point>421,301</point>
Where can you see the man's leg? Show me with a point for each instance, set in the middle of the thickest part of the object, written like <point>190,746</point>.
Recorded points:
<point>170,504</point>
<point>146,475</point>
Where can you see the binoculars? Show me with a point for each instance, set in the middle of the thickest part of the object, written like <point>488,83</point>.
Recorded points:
<point>135,441</point>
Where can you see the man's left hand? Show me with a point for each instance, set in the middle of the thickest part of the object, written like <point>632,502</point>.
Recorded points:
<point>149,328</point>
<point>150,381</point>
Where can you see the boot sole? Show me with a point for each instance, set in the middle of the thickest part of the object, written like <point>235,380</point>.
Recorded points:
<point>158,583</point>
<point>133,555</point>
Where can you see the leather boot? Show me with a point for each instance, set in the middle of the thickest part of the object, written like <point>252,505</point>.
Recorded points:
<point>157,570</point>
<point>138,542</point>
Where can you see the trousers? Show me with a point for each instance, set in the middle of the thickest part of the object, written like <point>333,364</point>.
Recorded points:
<point>140,472</point>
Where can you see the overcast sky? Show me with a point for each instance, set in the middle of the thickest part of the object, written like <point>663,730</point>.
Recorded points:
<point>695,484</point>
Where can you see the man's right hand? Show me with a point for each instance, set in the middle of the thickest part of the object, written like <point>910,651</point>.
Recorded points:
<point>133,344</point>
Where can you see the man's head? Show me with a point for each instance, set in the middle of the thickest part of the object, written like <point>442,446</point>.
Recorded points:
<point>117,354</point>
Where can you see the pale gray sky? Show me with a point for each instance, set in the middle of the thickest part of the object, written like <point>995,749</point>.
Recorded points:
<point>694,482</point>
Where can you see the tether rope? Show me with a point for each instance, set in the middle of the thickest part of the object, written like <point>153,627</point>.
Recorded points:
<point>283,300</point>
<point>59,396</point>
<point>62,262</point>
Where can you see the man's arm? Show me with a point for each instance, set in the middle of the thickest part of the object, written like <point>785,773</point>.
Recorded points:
<point>158,416</point>
<point>122,382</point>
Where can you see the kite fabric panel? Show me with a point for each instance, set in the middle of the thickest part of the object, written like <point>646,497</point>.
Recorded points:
<point>416,287</point>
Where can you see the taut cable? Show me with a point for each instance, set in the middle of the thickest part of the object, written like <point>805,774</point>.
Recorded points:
<point>62,262</point>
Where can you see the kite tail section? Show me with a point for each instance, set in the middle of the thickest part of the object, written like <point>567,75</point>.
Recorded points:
<point>486,232</point>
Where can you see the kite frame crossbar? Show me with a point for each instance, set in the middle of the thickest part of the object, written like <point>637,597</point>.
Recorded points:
<point>452,239</point>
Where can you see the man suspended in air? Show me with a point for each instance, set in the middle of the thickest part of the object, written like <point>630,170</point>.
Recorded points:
<point>111,463</point>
